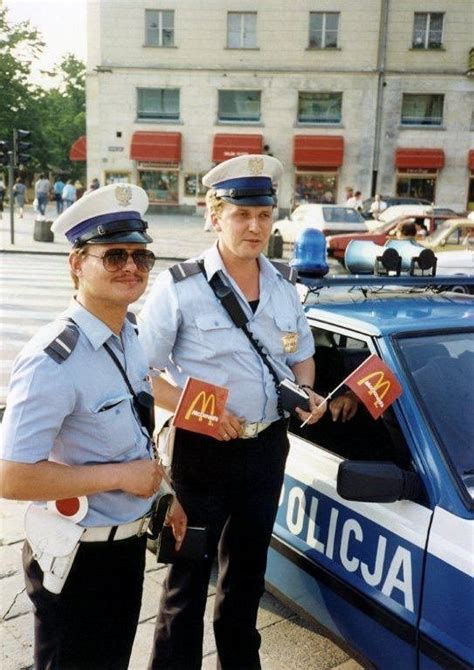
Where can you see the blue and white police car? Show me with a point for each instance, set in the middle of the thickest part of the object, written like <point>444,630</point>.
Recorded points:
<point>374,533</point>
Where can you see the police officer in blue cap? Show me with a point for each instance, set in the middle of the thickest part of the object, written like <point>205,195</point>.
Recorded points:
<point>75,434</point>
<point>230,484</point>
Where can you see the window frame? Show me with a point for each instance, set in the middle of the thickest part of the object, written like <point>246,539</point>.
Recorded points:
<point>242,119</point>
<point>419,122</point>
<point>315,121</point>
<point>427,30</point>
<point>324,30</point>
<point>159,29</point>
<point>242,30</point>
<point>160,116</point>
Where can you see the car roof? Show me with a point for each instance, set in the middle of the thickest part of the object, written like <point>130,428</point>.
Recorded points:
<point>383,314</point>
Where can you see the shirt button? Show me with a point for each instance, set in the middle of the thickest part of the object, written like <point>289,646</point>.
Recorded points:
<point>216,323</point>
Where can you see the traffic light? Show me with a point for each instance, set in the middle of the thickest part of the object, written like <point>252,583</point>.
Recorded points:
<point>4,153</point>
<point>19,146</point>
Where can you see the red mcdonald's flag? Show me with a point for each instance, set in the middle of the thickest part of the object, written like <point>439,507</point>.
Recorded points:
<point>200,406</point>
<point>374,384</point>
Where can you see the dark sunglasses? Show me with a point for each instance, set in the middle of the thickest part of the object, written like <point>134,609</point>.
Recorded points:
<point>116,259</point>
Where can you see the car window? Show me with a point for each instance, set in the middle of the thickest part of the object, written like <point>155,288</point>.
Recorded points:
<point>342,215</point>
<point>441,369</point>
<point>361,438</point>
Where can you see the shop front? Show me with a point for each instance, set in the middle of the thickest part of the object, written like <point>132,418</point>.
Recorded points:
<point>158,155</point>
<point>417,171</point>
<point>317,159</point>
<point>470,190</point>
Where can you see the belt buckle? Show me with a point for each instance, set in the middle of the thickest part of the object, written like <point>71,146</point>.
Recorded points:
<point>143,527</point>
<point>251,430</point>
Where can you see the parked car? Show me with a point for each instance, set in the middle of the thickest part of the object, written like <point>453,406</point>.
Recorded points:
<point>337,244</point>
<point>382,557</point>
<point>390,201</point>
<point>326,218</point>
<point>452,234</point>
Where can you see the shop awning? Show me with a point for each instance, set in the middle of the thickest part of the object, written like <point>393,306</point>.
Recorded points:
<point>228,146</point>
<point>156,147</point>
<point>470,159</point>
<point>78,151</point>
<point>318,150</point>
<point>419,158</point>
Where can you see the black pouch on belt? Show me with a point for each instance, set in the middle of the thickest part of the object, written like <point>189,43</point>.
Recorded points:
<point>194,547</point>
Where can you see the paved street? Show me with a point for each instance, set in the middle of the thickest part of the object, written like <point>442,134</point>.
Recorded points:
<point>35,286</point>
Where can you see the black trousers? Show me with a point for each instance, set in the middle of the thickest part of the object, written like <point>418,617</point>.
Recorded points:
<point>232,488</point>
<point>91,624</point>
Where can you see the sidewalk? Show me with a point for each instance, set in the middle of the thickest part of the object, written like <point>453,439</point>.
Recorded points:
<point>174,236</point>
<point>287,640</point>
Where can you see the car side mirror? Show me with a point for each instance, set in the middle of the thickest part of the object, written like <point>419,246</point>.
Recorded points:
<point>376,481</point>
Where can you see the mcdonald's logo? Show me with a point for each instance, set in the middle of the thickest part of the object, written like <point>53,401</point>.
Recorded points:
<point>379,389</point>
<point>207,409</point>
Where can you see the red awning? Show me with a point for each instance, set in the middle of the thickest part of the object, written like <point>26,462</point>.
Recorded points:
<point>419,158</point>
<point>318,150</point>
<point>78,151</point>
<point>470,159</point>
<point>229,146</point>
<point>156,147</point>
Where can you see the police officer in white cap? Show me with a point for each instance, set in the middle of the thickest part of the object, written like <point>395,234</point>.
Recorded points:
<point>75,434</point>
<point>230,484</point>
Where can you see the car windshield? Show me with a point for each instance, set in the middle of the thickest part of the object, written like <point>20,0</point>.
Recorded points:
<point>438,235</point>
<point>442,370</point>
<point>342,215</point>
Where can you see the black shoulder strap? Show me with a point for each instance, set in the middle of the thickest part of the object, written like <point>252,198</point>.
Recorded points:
<point>63,344</point>
<point>290,274</point>
<point>184,270</point>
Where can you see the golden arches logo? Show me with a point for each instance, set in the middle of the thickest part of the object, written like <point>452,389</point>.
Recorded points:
<point>207,411</point>
<point>379,388</point>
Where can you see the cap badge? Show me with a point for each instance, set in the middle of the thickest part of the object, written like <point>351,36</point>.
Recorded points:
<point>123,194</point>
<point>255,166</point>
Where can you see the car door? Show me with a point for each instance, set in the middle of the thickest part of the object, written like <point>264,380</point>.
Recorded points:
<point>357,568</point>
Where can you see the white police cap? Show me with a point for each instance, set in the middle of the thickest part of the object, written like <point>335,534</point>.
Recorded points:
<point>246,180</point>
<point>110,214</point>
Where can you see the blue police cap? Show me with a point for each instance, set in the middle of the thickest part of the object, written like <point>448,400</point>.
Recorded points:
<point>246,180</point>
<point>110,214</point>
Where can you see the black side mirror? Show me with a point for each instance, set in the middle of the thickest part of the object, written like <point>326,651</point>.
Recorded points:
<point>376,481</point>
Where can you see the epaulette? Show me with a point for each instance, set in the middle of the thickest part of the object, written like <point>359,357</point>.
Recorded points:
<point>182,271</point>
<point>63,344</point>
<point>133,320</point>
<point>290,274</point>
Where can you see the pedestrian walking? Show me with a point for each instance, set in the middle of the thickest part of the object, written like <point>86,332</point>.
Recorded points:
<point>69,194</point>
<point>19,195</point>
<point>356,201</point>
<point>58,187</point>
<point>378,206</point>
<point>75,432</point>
<point>42,189</point>
<point>229,484</point>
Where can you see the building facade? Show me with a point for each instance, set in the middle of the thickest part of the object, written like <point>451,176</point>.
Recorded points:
<point>377,95</point>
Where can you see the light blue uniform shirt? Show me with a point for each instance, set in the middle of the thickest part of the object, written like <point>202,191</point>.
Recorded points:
<point>58,411</point>
<point>185,329</point>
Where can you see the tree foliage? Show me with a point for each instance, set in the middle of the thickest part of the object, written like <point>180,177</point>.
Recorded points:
<point>55,116</point>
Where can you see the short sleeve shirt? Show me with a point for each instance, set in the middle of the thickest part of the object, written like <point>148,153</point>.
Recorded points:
<point>185,330</point>
<point>80,411</point>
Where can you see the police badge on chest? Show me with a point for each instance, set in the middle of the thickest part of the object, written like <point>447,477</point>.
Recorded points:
<point>290,342</point>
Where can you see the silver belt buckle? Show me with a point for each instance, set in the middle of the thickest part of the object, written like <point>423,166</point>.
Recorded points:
<point>143,527</point>
<point>250,430</point>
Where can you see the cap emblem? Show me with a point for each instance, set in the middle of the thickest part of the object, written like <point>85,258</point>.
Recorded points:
<point>255,166</point>
<point>123,194</point>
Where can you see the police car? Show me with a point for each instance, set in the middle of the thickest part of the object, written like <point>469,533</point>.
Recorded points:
<point>374,533</point>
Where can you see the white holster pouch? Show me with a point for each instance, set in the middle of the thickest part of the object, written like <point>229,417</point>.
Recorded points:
<point>164,435</point>
<point>54,542</point>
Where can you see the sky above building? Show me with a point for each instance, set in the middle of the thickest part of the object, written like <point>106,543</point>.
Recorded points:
<point>62,24</point>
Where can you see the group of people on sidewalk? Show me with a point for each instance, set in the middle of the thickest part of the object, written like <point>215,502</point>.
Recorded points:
<point>76,428</point>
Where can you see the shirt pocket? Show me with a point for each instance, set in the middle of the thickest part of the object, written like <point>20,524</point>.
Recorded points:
<point>286,334</point>
<point>216,334</point>
<point>116,425</point>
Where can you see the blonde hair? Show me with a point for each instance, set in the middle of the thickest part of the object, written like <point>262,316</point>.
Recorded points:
<point>214,204</point>
<point>79,252</point>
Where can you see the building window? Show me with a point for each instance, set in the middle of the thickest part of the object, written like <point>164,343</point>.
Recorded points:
<point>428,30</point>
<point>239,106</point>
<point>161,185</point>
<point>159,28</point>
<point>422,109</point>
<point>117,177</point>
<point>193,185</point>
<point>315,107</point>
<point>160,104</point>
<point>323,27</point>
<point>242,30</point>
<point>311,187</point>
<point>417,185</point>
